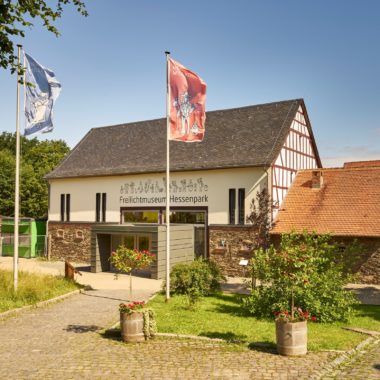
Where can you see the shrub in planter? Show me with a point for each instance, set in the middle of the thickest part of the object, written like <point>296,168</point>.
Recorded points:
<point>137,323</point>
<point>291,331</point>
<point>196,279</point>
<point>303,271</point>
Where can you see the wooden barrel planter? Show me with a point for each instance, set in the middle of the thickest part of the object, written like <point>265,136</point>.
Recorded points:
<point>291,338</point>
<point>132,327</point>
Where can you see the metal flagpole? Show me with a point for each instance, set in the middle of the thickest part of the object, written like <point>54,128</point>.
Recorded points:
<point>17,179</point>
<point>167,178</point>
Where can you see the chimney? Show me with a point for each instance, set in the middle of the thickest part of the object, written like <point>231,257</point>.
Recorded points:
<point>316,179</point>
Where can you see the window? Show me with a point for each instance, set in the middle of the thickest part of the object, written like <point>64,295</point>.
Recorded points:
<point>101,205</point>
<point>65,207</point>
<point>129,241</point>
<point>104,206</point>
<point>139,242</point>
<point>141,216</point>
<point>241,206</point>
<point>193,217</point>
<point>232,205</point>
<point>68,197</point>
<point>143,243</point>
<point>97,216</point>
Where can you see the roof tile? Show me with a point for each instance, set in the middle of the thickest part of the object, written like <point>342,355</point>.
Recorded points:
<point>240,137</point>
<point>347,204</point>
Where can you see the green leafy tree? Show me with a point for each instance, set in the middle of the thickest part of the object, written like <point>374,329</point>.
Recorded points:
<point>306,271</point>
<point>127,260</point>
<point>259,218</point>
<point>38,158</point>
<point>16,16</point>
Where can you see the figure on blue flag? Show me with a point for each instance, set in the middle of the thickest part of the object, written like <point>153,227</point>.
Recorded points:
<point>42,90</point>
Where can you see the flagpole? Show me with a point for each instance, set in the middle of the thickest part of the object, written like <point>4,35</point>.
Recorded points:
<point>167,53</point>
<point>17,179</point>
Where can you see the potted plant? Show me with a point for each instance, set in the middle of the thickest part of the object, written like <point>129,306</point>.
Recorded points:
<point>291,331</point>
<point>137,323</point>
<point>126,260</point>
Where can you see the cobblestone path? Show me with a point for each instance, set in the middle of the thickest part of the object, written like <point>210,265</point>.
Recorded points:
<point>365,365</point>
<point>62,341</point>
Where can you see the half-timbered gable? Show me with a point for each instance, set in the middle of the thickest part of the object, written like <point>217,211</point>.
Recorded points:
<point>298,152</point>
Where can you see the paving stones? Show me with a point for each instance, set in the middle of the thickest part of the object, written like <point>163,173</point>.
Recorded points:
<point>63,341</point>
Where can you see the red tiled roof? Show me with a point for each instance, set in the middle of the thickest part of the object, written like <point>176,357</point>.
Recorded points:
<point>347,204</point>
<point>362,164</point>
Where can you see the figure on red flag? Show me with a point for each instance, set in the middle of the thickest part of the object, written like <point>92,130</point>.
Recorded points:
<point>187,104</point>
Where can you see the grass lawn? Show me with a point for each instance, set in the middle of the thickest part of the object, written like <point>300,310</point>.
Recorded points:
<point>32,288</point>
<point>222,317</point>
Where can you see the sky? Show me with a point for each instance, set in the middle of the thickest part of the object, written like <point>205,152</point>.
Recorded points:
<point>111,64</point>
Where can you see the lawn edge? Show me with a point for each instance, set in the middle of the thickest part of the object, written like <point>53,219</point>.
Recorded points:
<point>195,337</point>
<point>14,312</point>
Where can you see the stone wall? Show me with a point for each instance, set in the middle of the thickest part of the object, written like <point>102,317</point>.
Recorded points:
<point>365,264</point>
<point>70,241</point>
<point>229,256</point>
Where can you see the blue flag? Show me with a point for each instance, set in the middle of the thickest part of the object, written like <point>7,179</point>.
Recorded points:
<point>40,97</point>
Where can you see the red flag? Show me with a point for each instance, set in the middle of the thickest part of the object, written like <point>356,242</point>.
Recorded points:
<point>187,104</point>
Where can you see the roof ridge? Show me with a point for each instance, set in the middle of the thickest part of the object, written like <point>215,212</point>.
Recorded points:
<point>342,169</point>
<point>207,112</point>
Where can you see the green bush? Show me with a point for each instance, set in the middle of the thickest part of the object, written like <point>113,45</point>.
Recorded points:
<point>197,279</point>
<point>307,272</point>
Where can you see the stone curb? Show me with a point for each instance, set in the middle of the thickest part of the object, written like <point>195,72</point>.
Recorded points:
<point>346,356</point>
<point>195,337</point>
<point>14,312</point>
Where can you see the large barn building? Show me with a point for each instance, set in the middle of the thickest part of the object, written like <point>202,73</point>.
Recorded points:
<point>111,188</point>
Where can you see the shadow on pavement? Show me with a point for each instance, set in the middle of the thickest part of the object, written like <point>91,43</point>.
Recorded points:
<point>368,295</point>
<point>86,268</point>
<point>227,336</point>
<point>268,347</point>
<point>86,293</point>
<point>112,334</point>
<point>80,329</point>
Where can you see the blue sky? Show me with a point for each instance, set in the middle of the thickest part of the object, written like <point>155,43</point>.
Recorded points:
<point>112,64</point>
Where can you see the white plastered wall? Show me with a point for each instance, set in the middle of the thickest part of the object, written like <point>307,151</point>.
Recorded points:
<point>199,188</point>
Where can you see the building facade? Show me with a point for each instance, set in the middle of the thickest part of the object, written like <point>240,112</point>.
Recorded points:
<point>116,177</point>
<point>342,202</point>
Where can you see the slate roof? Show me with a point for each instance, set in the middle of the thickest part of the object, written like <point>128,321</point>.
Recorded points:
<point>240,137</point>
<point>346,205</point>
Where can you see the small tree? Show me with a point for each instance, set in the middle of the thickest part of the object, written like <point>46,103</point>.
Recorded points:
<point>259,218</point>
<point>127,260</point>
<point>305,272</point>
